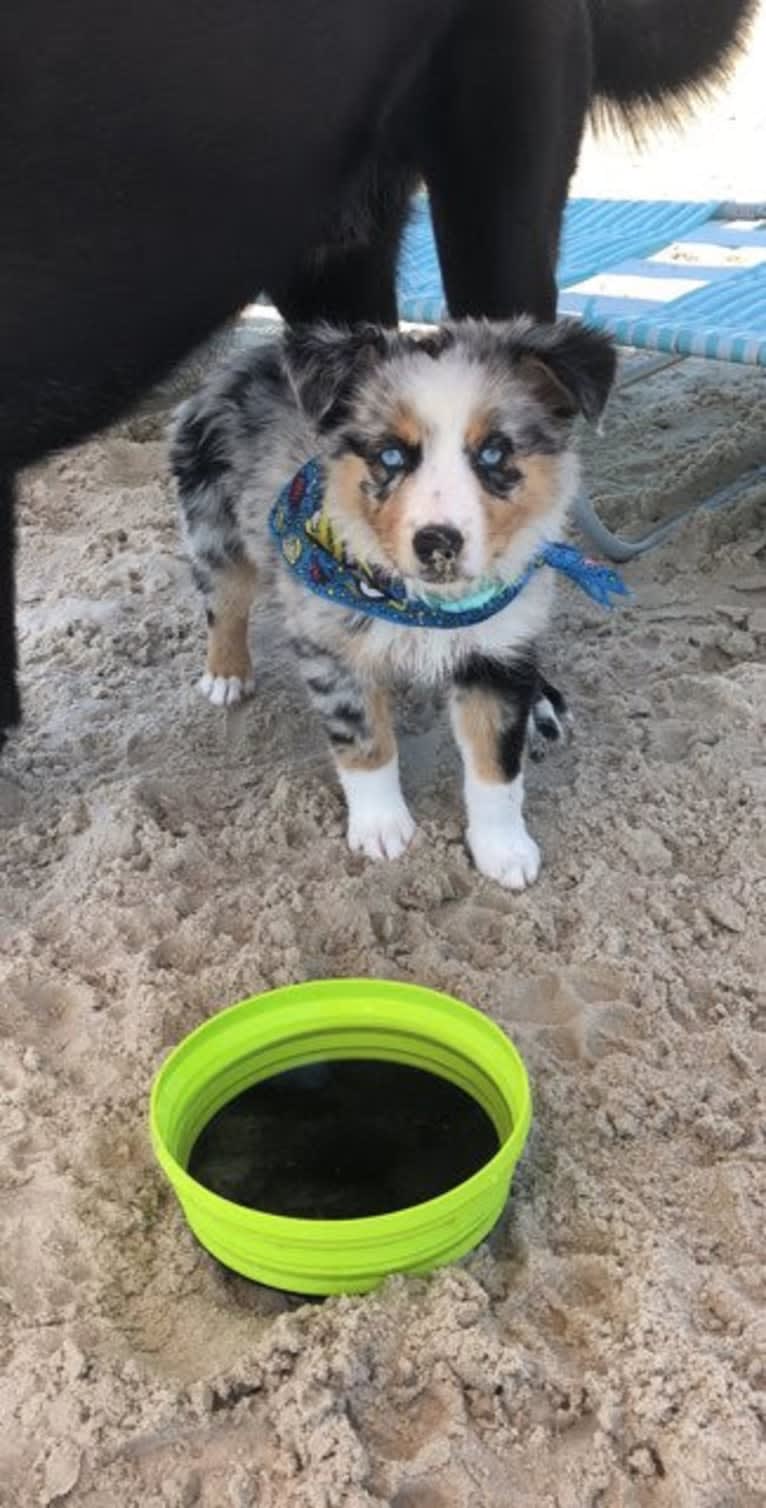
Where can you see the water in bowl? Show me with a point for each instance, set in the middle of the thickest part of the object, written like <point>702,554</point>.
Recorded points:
<point>342,1140</point>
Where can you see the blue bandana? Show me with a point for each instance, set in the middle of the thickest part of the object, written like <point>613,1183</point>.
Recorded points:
<point>307,544</point>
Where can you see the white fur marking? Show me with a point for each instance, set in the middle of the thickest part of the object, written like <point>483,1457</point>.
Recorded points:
<point>225,691</point>
<point>445,491</point>
<point>497,835</point>
<point>379,823</point>
<point>430,654</point>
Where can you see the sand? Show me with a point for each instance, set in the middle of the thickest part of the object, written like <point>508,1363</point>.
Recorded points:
<point>606,1347</point>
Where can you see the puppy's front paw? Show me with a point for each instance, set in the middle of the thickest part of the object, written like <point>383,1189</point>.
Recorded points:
<point>505,854</point>
<point>384,836</point>
<point>379,823</point>
<point>226,690</point>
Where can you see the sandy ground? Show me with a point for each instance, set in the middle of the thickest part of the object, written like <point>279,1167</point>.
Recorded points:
<point>606,1347</point>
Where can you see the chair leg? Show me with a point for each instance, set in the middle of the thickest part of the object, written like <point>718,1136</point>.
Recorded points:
<point>618,549</point>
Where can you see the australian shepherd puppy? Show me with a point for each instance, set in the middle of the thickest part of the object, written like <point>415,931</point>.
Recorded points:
<point>438,467</point>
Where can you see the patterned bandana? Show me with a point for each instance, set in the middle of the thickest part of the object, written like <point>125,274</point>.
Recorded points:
<point>309,547</point>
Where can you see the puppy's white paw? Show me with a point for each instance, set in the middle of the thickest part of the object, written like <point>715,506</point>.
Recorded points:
<point>383,837</point>
<point>497,833</point>
<point>225,690</point>
<point>510,857</point>
<point>379,823</point>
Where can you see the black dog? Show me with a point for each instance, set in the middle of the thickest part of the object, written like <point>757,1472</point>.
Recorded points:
<point>160,163</point>
<point>493,125</point>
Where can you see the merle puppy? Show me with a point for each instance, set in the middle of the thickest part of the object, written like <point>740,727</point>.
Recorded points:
<point>429,475</point>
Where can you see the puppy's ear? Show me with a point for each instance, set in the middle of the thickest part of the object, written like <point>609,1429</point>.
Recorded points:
<point>324,363</point>
<point>570,366</point>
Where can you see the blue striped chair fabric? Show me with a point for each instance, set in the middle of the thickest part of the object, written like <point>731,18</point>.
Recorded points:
<point>660,275</point>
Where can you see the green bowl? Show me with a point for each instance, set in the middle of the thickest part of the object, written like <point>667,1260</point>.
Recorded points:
<point>318,1022</point>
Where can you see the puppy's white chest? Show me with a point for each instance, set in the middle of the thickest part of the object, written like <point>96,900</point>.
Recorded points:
<point>432,654</point>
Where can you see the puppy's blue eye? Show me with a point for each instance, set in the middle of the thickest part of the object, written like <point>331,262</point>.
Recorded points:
<point>393,458</point>
<point>493,453</point>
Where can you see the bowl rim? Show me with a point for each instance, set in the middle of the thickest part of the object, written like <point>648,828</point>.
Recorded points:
<point>356,1230</point>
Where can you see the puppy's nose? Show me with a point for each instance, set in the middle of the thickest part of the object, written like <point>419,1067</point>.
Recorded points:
<point>437,542</point>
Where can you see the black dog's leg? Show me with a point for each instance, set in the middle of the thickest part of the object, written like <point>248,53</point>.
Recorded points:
<point>510,92</point>
<point>352,286</point>
<point>352,278</point>
<point>10,708</point>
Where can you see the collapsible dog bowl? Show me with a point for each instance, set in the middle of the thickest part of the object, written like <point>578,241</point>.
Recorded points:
<point>318,1023</point>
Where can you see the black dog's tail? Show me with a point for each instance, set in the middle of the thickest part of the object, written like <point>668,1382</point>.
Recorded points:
<point>10,711</point>
<point>652,57</point>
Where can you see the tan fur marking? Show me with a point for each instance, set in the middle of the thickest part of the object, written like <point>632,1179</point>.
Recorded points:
<point>406,426</point>
<point>380,748</point>
<point>385,521</point>
<point>388,524</point>
<point>480,718</point>
<point>531,498</point>
<point>347,476</point>
<point>477,429</point>
<point>227,651</point>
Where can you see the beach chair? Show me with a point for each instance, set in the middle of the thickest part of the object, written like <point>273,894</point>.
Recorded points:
<point>676,279</point>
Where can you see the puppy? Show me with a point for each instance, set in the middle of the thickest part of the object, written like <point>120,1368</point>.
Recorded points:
<point>407,550</point>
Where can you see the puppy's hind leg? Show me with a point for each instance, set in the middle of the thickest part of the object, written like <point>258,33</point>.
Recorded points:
<point>229,593</point>
<point>357,720</point>
<point>550,720</point>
